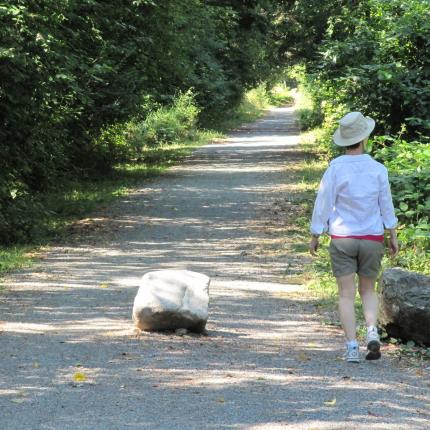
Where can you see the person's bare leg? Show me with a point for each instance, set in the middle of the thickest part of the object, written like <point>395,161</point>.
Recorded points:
<point>347,291</point>
<point>369,298</point>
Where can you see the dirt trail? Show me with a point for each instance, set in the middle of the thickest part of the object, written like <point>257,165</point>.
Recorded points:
<point>70,360</point>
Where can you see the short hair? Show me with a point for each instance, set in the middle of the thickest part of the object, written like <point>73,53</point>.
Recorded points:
<point>353,146</point>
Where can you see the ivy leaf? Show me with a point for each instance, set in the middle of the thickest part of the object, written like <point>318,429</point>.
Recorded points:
<point>403,206</point>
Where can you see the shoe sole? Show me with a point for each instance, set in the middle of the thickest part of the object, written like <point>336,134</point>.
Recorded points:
<point>373,350</point>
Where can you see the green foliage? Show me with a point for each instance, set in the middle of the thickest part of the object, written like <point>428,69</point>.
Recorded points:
<point>308,110</point>
<point>20,216</point>
<point>253,104</point>
<point>166,125</point>
<point>310,117</point>
<point>75,75</point>
<point>311,120</point>
<point>373,58</point>
<point>300,26</point>
<point>408,164</point>
<point>280,95</point>
<point>15,258</point>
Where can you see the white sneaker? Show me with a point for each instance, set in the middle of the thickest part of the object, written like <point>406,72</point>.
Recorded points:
<point>373,344</point>
<point>352,354</point>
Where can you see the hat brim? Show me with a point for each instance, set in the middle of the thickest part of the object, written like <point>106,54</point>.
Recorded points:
<point>341,141</point>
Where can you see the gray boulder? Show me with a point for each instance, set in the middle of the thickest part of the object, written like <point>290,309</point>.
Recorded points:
<point>405,305</point>
<point>171,300</point>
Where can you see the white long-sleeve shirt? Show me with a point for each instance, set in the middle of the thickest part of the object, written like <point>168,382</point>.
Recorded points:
<point>354,198</point>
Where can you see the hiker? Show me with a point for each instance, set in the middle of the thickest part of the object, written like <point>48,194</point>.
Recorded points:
<point>354,206</point>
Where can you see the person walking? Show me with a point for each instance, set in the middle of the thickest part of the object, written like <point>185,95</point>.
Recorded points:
<point>354,206</point>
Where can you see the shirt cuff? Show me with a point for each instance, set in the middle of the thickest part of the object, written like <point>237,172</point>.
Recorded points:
<point>317,231</point>
<point>390,226</point>
<point>392,223</point>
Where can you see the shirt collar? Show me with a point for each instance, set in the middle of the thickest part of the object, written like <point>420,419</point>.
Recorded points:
<point>351,158</point>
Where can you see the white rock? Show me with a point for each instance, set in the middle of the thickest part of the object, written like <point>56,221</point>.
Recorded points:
<point>172,299</point>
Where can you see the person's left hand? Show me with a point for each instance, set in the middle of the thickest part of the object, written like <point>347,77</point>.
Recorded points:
<point>313,245</point>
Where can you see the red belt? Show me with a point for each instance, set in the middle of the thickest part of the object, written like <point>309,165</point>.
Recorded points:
<point>376,238</point>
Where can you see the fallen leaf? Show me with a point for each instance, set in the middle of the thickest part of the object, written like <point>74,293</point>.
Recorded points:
<point>220,400</point>
<point>303,357</point>
<point>79,377</point>
<point>17,401</point>
<point>104,286</point>
<point>331,402</point>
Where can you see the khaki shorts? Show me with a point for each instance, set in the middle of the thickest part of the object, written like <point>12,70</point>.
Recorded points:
<point>356,256</point>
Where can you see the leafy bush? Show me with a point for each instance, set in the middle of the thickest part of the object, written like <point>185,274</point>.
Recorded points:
<point>373,58</point>
<point>258,97</point>
<point>20,217</point>
<point>408,164</point>
<point>166,125</point>
<point>310,117</point>
<point>280,95</point>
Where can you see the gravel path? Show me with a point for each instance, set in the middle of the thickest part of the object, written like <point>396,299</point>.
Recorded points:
<point>70,359</point>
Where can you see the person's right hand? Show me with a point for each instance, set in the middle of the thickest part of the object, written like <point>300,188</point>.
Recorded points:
<point>394,245</point>
<point>313,245</point>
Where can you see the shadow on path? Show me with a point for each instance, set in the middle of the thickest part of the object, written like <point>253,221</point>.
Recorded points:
<point>266,363</point>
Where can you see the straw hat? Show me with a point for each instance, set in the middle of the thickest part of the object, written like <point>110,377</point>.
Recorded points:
<point>353,128</point>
